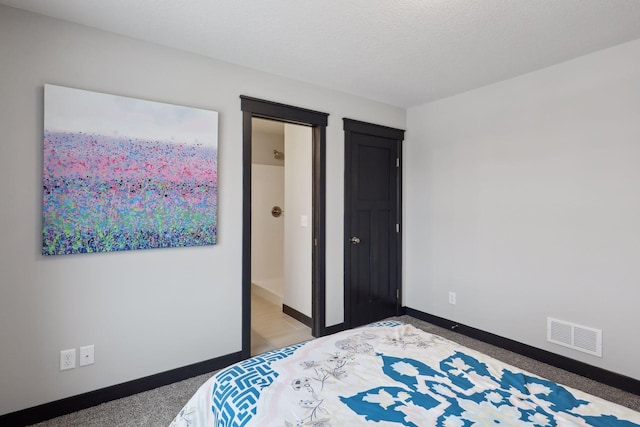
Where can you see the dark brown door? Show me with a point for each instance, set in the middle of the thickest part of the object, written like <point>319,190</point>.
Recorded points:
<point>372,222</point>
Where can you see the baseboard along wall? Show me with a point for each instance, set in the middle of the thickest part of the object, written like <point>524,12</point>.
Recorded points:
<point>300,317</point>
<point>265,293</point>
<point>604,376</point>
<point>61,407</point>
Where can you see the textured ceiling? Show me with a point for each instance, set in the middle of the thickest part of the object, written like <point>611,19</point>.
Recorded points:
<point>401,52</point>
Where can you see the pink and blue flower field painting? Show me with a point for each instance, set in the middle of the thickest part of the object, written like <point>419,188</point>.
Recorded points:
<point>113,185</point>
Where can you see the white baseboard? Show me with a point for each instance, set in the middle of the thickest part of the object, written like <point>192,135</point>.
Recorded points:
<point>266,294</point>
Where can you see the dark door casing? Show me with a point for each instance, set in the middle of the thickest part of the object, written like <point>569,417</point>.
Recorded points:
<point>254,107</point>
<point>372,222</point>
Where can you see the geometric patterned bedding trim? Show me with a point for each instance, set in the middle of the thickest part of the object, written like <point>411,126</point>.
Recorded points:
<point>237,388</point>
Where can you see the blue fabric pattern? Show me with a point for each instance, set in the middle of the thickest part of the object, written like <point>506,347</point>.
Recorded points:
<point>236,392</point>
<point>512,399</point>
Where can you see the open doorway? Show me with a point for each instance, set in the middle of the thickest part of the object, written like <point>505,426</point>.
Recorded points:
<point>281,245</point>
<point>316,123</point>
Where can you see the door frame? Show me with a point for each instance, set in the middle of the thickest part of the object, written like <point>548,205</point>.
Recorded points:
<point>355,126</point>
<point>258,108</point>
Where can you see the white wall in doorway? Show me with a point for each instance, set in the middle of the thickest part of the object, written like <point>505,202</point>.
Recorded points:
<point>267,231</point>
<point>298,190</point>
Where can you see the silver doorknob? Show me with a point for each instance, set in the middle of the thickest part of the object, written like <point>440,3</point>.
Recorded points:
<point>276,211</point>
<point>355,240</point>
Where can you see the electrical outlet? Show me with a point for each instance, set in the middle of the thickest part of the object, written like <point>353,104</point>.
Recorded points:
<point>67,359</point>
<point>86,355</point>
<point>452,298</point>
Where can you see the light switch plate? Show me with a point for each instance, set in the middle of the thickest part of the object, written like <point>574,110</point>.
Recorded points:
<point>86,355</point>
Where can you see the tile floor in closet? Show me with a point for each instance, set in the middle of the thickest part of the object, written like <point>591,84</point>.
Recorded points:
<point>271,328</point>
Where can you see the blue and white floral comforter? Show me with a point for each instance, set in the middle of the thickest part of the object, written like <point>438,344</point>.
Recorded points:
<point>390,375</point>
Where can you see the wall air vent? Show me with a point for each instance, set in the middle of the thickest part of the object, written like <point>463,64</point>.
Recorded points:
<point>577,337</point>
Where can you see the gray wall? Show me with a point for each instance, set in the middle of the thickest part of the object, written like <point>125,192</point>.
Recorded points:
<point>145,311</point>
<point>523,198</point>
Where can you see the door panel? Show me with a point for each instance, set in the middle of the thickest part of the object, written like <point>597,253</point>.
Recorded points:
<point>373,169</point>
<point>372,212</point>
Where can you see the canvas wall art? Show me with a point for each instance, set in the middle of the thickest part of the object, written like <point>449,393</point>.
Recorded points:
<point>123,173</point>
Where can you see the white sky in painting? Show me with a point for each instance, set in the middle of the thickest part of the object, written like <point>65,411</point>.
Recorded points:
<point>75,110</point>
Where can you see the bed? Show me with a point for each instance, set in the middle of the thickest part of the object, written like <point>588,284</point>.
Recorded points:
<point>389,374</point>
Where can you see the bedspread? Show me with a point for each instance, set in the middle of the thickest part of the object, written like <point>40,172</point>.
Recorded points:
<point>390,375</point>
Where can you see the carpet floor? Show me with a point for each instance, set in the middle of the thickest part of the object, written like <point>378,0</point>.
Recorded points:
<point>158,407</point>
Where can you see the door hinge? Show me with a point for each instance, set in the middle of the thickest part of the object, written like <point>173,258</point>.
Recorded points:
<point>315,242</point>
<point>397,162</point>
<point>397,228</point>
<point>398,293</point>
